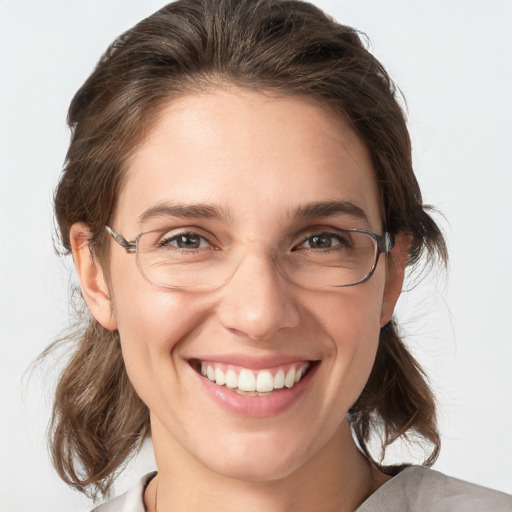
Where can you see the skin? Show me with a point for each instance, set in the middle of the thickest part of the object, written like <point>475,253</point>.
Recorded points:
<point>258,157</point>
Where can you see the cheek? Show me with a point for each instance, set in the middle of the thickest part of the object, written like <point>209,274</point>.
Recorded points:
<point>150,322</point>
<point>143,313</point>
<point>352,324</point>
<point>352,314</point>
<point>154,327</point>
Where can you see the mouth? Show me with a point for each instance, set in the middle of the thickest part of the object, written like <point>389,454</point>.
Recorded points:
<point>251,382</point>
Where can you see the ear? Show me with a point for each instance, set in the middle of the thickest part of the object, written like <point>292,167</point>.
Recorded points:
<point>395,270</point>
<point>92,280</point>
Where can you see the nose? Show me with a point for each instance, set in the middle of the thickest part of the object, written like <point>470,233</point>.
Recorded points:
<point>257,302</point>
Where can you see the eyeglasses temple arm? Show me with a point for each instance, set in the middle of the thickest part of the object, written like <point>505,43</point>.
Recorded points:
<point>388,242</point>
<point>128,246</point>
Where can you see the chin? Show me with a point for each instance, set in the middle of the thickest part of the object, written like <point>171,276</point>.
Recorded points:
<point>261,470</point>
<point>262,458</point>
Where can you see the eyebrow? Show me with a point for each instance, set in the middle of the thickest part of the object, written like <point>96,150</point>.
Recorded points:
<point>208,211</point>
<point>329,209</point>
<point>199,210</point>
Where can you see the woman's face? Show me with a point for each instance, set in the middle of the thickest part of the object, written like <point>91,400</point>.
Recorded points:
<point>256,161</point>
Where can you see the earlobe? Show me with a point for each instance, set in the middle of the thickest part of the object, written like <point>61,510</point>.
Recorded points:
<point>92,279</point>
<point>395,272</point>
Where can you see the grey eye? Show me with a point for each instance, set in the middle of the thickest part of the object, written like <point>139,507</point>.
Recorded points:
<point>321,241</point>
<point>188,241</point>
<point>184,241</point>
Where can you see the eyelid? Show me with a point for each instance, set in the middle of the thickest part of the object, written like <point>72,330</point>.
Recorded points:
<point>340,239</point>
<point>171,232</point>
<point>193,229</point>
<point>173,235</point>
<point>305,232</point>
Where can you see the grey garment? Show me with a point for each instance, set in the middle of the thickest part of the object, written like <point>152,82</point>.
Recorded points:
<point>131,501</point>
<point>418,489</point>
<point>415,489</point>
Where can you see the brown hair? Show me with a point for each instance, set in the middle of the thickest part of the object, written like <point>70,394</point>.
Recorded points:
<point>285,46</point>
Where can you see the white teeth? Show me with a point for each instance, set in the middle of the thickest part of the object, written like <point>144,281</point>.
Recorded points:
<point>289,380</point>
<point>264,382</point>
<point>231,379</point>
<point>279,380</point>
<point>220,379</point>
<point>246,381</point>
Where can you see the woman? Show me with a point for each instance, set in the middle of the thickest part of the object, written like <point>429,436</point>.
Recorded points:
<point>240,204</point>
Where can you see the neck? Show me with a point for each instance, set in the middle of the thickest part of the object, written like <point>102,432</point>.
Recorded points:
<point>338,478</point>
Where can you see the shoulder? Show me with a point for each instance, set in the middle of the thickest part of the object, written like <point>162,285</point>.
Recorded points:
<point>131,501</point>
<point>421,489</point>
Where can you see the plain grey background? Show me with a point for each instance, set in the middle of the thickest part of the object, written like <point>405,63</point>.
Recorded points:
<point>453,61</point>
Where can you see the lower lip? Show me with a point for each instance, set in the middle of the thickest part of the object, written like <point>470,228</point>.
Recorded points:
<point>257,406</point>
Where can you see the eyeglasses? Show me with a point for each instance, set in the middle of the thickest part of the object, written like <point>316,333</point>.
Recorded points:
<point>184,259</point>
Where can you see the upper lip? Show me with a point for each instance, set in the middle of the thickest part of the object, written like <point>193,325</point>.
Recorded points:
<point>252,362</point>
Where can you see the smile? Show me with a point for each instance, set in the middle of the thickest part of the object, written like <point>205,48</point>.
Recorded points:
<point>253,382</point>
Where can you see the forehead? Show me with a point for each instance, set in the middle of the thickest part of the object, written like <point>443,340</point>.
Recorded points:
<point>257,156</point>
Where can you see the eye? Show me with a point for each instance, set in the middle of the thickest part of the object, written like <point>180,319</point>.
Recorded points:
<point>323,240</point>
<point>185,241</point>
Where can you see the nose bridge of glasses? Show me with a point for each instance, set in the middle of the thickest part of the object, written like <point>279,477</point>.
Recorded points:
<point>250,253</point>
<point>253,259</point>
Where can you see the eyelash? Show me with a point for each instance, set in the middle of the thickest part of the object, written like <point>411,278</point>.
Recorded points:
<point>167,241</point>
<point>341,241</point>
